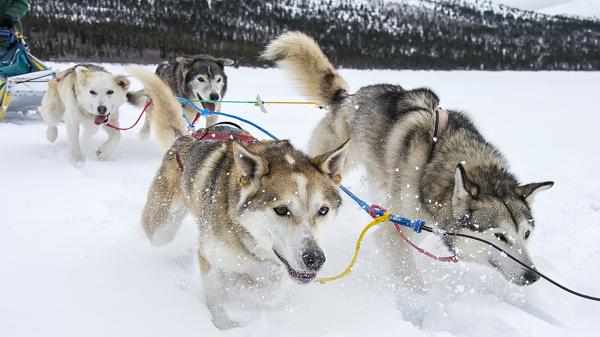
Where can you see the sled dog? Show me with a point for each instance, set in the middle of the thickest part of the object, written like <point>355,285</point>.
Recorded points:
<point>258,205</point>
<point>432,164</point>
<point>85,95</point>
<point>199,77</point>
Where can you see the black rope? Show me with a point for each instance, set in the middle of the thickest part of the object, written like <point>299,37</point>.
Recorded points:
<point>444,233</point>
<point>33,79</point>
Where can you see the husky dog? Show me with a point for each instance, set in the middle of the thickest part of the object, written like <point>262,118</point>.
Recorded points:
<point>200,77</point>
<point>258,205</point>
<point>86,95</point>
<point>433,165</point>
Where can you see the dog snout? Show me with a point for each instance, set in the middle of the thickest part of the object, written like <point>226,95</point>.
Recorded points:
<point>214,97</point>
<point>530,277</point>
<point>313,258</point>
<point>102,109</point>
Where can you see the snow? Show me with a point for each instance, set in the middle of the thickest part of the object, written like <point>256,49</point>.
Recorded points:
<point>583,8</point>
<point>74,260</point>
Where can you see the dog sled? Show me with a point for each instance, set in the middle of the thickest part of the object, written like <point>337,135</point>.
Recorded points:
<point>23,78</point>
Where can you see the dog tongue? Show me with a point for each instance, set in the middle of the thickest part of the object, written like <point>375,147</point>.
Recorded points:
<point>210,106</point>
<point>100,120</point>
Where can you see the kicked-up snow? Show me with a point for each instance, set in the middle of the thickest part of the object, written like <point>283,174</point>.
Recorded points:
<point>74,260</point>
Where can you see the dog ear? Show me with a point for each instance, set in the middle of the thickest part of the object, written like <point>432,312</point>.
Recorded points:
<point>122,81</point>
<point>225,62</point>
<point>82,72</point>
<point>463,187</point>
<point>251,165</point>
<point>527,192</point>
<point>332,162</point>
<point>186,61</point>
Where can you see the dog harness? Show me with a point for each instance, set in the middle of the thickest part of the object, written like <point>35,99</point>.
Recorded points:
<point>207,135</point>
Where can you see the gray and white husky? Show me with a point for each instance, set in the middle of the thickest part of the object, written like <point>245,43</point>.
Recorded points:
<point>199,77</point>
<point>258,205</point>
<point>432,166</point>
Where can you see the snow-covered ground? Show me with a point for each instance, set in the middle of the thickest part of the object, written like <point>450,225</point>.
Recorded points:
<point>583,8</point>
<point>75,262</point>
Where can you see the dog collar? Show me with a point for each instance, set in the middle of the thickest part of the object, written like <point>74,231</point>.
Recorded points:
<point>441,122</point>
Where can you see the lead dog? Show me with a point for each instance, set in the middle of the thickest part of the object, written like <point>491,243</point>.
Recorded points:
<point>85,95</point>
<point>432,164</point>
<point>258,205</point>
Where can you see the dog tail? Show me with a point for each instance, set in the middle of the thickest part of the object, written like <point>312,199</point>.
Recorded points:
<point>165,113</point>
<point>302,56</point>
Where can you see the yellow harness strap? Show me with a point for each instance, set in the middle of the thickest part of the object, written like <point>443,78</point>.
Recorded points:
<point>348,269</point>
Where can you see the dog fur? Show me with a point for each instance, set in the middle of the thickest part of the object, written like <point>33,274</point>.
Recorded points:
<point>258,206</point>
<point>85,95</point>
<point>458,182</point>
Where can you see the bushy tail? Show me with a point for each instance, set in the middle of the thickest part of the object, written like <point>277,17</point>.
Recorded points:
<point>165,113</point>
<point>302,56</point>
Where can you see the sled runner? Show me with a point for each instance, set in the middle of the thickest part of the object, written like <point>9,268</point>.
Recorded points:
<point>23,78</point>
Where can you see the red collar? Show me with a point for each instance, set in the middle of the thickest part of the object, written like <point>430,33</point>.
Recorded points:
<point>441,122</point>
<point>211,135</point>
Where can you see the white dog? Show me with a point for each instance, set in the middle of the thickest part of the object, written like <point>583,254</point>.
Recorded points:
<point>85,95</point>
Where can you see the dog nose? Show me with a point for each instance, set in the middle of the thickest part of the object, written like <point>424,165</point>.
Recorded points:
<point>214,97</point>
<point>102,109</point>
<point>530,277</point>
<point>313,259</point>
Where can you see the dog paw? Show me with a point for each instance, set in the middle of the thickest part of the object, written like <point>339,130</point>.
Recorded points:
<point>51,133</point>
<point>225,324</point>
<point>101,153</point>
<point>77,161</point>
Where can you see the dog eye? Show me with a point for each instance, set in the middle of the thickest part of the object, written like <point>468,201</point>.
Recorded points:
<point>92,92</point>
<point>110,92</point>
<point>219,80</point>
<point>323,210</point>
<point>200,79</point>
<point>282,211</point>
<point>501,237</point>
<point>527,234</point>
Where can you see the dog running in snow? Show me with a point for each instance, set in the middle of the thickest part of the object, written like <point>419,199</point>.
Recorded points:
<point>258,205</point>
<point>86,95</point>
<point>432,164</point>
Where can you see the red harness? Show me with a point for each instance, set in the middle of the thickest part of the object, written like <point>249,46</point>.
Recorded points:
<point>212,135</point>
<point>206,135</point>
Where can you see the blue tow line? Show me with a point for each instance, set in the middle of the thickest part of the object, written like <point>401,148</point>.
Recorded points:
<point>415,225</point>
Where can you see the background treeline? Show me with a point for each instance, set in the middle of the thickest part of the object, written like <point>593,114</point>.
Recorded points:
<point>417,34</point>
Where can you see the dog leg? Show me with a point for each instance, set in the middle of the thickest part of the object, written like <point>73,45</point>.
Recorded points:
<point>113,139</point>
<point>52,111</point>
<point>73,135</point>
<point>401,259</point>
<point>215,298</point>
<point>164,208</point>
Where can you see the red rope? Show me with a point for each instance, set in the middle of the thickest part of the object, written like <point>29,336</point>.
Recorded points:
<point>452,258</point>
<point>136,122</point>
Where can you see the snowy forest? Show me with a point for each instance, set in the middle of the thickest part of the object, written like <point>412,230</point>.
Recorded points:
<point>415,34</point>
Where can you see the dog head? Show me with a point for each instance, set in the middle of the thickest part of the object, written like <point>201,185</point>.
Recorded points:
<point>204,78</point>
<point>100,93</point>
<point>285,197</point>
<point>499,213</point>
